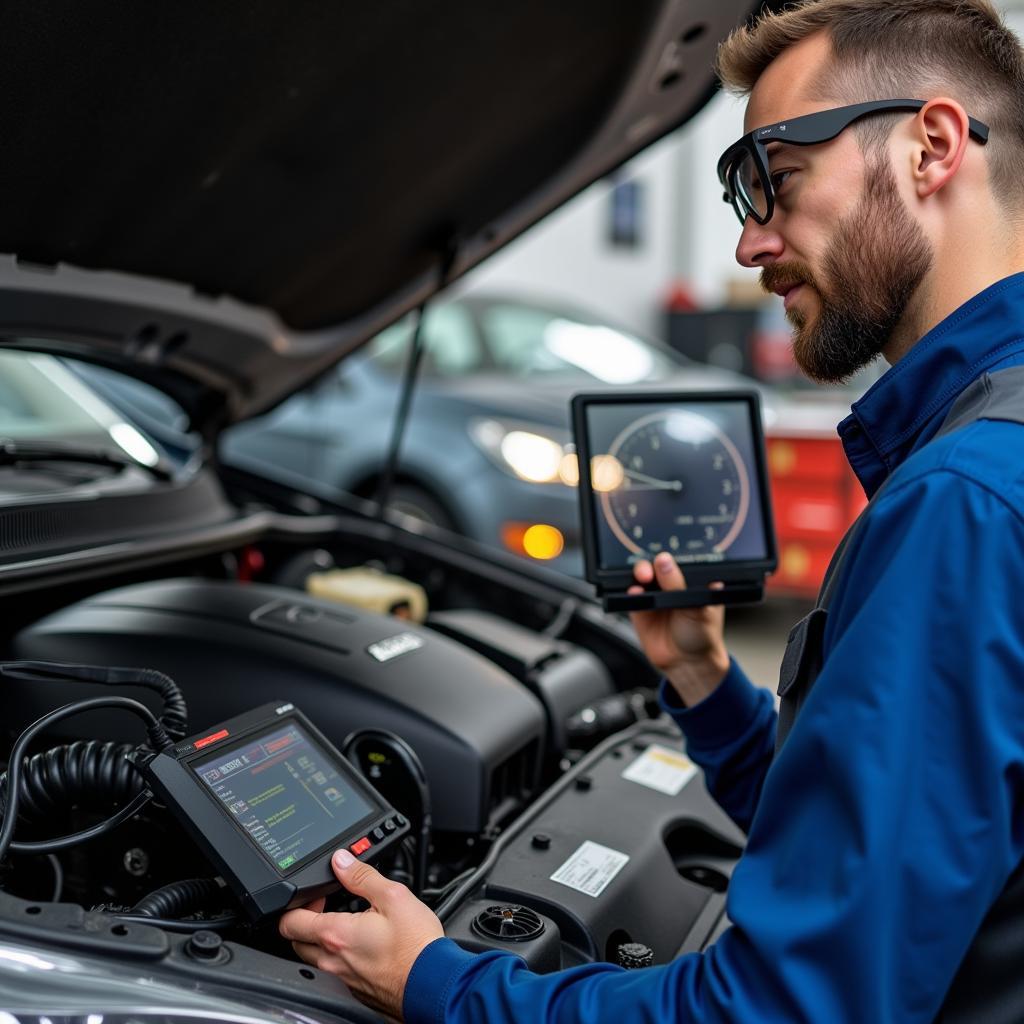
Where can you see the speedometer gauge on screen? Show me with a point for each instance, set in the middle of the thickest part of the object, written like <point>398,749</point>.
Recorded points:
<point>682,473</point>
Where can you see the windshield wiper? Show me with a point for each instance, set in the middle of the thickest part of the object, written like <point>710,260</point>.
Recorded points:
<point>13,453</point>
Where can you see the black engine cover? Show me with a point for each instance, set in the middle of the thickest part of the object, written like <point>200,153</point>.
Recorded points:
<point>231,647</point>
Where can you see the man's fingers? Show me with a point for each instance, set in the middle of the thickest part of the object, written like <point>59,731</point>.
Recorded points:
<point>311,953</point>
<point>300,925</point>
<point>360,879</point>
<point>330,932</point>
<point>668,573</point>
<point>643,572</point>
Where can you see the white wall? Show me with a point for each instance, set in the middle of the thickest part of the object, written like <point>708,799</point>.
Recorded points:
<point>709,257</point>
<point>689,233</point>
<point>568,255</point>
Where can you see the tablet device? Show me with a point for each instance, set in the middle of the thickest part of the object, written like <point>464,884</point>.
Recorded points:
<point>682,472</point>
<point>269,799</point>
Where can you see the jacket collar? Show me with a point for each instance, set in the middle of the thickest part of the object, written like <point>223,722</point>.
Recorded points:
<point>905,407</point>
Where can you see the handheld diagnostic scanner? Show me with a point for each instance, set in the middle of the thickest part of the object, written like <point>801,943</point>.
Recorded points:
<point>269,799</point>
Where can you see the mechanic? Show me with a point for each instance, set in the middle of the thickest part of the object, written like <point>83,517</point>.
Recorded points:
<point>882,876</point>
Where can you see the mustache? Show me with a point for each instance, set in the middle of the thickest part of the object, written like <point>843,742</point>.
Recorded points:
<point>785,275</point>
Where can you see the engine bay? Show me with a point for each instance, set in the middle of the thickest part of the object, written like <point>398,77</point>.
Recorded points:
<point>555,812</point>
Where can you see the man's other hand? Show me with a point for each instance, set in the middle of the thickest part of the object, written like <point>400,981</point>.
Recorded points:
<point>687,645</point>
<point>372,952</point>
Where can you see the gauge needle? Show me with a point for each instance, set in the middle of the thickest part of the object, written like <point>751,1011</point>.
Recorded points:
<point>653,482</point>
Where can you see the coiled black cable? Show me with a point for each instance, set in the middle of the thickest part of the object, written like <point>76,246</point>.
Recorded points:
<point>87,771</point>
<point>174,717</point>
<point>178,899</point>
<point>108,825</point>
<point>167,906</point>
<point>157,736</point>
<point>84,772</point>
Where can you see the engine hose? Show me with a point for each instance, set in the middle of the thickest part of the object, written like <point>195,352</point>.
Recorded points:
<point>84,772</point>
<point>178,899</point>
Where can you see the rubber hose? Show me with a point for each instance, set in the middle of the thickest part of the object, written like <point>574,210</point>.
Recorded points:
<point>178,899</point>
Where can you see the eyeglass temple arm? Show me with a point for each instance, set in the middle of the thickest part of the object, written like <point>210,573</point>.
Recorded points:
<point>809,133</point>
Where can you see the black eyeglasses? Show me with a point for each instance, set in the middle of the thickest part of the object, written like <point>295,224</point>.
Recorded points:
<point>743,167</point>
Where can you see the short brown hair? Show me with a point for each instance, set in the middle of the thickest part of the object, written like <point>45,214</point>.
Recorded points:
<point>895,49</point>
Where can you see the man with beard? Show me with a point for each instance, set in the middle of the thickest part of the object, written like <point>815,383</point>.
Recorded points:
<point>880,193</point>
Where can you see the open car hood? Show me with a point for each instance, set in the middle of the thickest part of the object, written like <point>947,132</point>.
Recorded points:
<point>223,199</point>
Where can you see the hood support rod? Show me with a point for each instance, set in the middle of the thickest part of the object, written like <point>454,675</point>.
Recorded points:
<point>412,368</point>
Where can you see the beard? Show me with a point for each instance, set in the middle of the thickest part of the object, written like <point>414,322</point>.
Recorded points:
<point>875,262</point>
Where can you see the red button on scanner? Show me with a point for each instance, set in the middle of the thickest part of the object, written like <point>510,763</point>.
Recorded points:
<point>360,845</point>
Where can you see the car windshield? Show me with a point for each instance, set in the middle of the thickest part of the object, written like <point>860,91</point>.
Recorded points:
<point>40,399</point>
<point>56,432</point>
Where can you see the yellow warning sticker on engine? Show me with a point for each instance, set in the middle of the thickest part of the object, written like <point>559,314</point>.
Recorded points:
<point>662,769</point>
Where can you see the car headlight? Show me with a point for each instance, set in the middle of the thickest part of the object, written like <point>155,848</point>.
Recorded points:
<point>538,458</point>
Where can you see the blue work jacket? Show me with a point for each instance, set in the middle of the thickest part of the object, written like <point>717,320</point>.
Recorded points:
<point>892,818</point>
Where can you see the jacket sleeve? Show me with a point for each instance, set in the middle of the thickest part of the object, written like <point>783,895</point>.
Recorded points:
<point>886,827</point>
<point>731,736</point>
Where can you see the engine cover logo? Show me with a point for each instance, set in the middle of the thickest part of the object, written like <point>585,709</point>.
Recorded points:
<point>393,646</point>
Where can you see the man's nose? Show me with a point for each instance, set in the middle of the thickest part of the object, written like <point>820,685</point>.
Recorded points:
<point>759,244</point>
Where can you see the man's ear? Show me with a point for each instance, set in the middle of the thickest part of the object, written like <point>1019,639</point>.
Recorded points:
<point>941,133</point>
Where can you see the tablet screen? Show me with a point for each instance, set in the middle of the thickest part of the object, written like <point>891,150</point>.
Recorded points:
<point>285,793</point>
<point>681,477</point>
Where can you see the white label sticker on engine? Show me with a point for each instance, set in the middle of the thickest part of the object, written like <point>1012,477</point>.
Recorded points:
<point>590,868</point>
<point>662,769</point>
